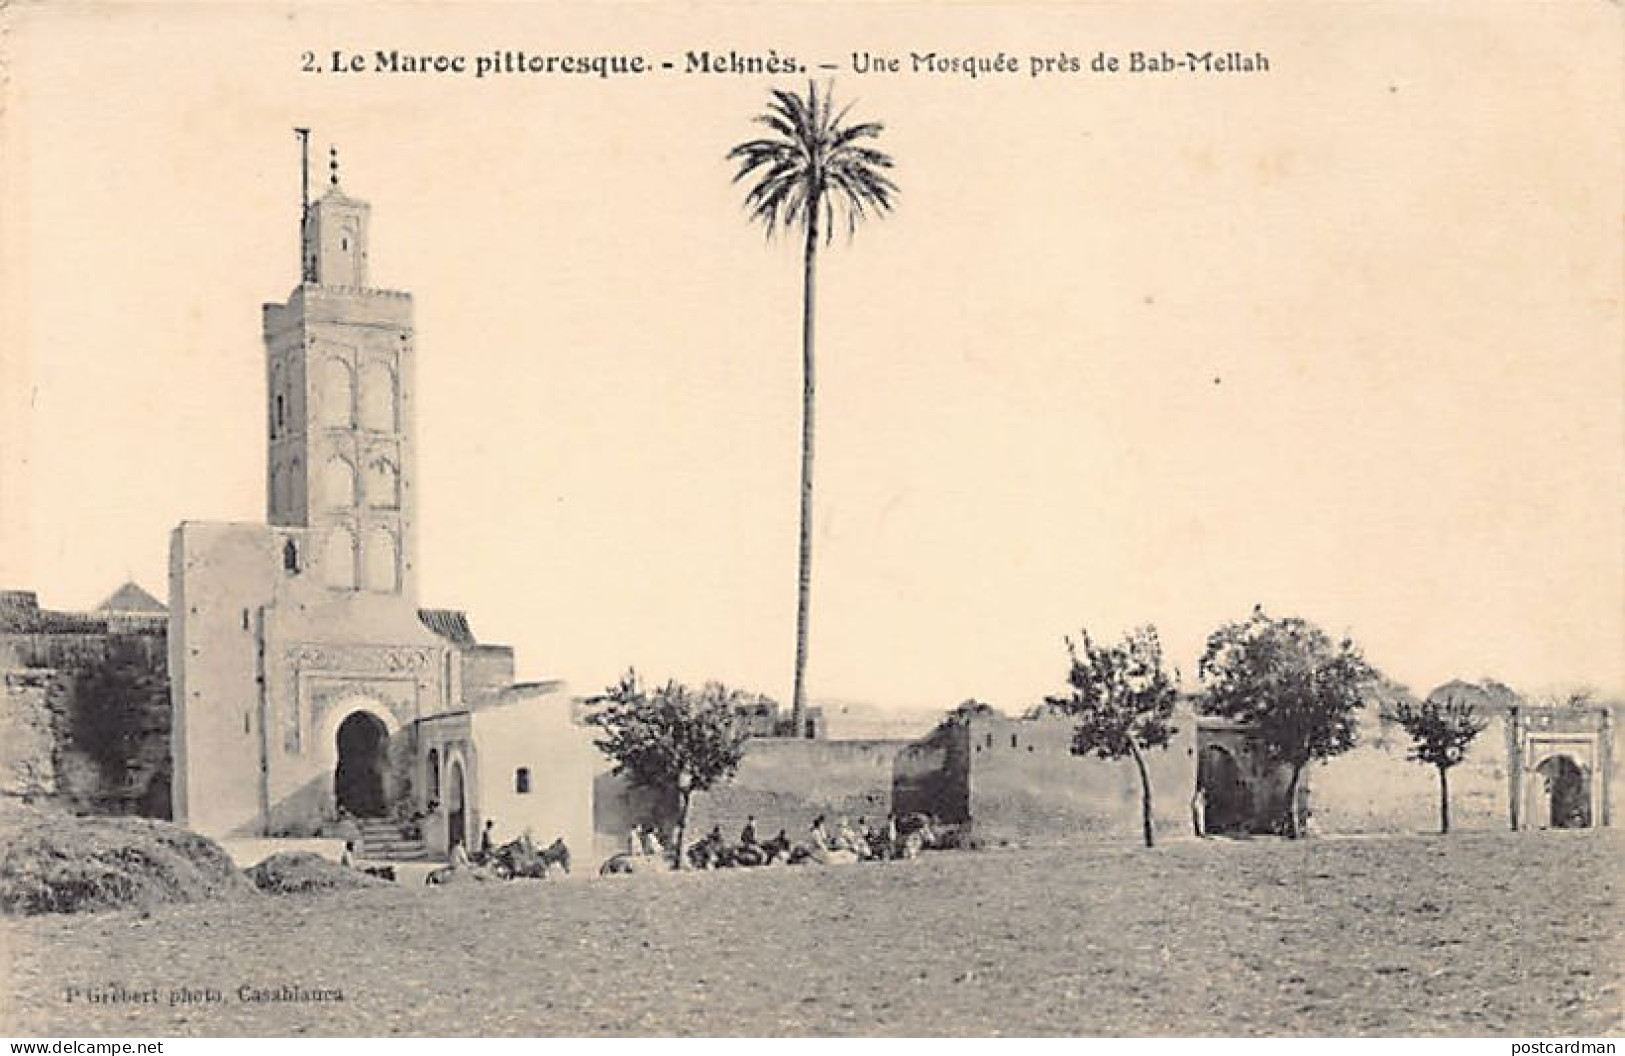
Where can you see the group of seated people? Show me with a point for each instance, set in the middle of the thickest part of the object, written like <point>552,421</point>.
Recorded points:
<point>863,842</point>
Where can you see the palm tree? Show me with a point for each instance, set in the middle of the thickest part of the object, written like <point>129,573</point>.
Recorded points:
<point>812,168</point>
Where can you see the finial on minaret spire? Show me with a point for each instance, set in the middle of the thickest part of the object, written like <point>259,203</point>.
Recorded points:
<point>333,165</point>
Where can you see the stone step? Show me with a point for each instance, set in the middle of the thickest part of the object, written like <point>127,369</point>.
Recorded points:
<point>396,852</point>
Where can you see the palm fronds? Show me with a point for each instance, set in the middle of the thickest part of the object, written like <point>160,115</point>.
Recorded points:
<point>814,168</point>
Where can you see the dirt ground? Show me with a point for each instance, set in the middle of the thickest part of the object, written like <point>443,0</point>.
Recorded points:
<point>1498,934</point>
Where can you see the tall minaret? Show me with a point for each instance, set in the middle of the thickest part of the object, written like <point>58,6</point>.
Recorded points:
<point>339,373</point>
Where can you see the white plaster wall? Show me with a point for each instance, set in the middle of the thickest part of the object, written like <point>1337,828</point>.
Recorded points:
<point>536,733</point>
<point>218,572</point>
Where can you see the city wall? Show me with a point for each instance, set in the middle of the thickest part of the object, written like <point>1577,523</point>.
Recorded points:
<point>1026,786</point>
<point>1374,788</point>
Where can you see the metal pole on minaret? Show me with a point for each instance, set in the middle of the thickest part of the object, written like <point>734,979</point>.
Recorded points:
<point>305,274</point>
<point>304,171</point>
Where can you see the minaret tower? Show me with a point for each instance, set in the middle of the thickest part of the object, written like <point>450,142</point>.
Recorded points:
<point>339,373</point>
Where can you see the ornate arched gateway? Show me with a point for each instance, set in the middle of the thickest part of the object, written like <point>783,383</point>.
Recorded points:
<point>361,776</point>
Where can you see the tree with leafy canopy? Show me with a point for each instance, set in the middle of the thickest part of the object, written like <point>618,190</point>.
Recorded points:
<point>675,740</point>
<point>812,168</point>
<point>1122,698</point>
<point>1298,690</point>
<point>1441,730</point>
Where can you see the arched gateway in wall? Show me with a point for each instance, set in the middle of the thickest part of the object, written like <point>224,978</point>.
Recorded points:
<point>1229,799</point>
<point>1567,791</point>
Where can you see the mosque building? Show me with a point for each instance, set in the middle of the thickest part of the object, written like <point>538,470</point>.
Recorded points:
<point>308,686</point>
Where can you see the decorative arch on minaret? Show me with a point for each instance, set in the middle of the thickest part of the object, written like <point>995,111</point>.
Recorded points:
<point>339,560</point>
<point>381,558</point>
<point>383,483</point>
<point>337,392</point>
<point>379,397</point>
<point>338,483</point>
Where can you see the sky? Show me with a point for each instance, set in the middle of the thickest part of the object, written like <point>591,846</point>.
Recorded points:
<point>1343,339</point>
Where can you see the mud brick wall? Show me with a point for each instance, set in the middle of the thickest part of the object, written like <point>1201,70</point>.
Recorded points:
<point>786,783</point>
<point>932,776</point>
<point>31,710</point>
<point>51,680</point>
<point>1026,786</point>
<point>1374,788</point>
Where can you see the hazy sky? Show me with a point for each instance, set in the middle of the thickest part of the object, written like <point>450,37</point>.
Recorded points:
<point>1344,339</point>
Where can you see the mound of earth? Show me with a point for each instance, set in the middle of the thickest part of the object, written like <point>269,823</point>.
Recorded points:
<point>55,862</point>
<point>296,872</point>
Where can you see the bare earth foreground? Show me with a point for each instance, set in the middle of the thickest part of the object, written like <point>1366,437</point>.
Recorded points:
<point>1499,934</point>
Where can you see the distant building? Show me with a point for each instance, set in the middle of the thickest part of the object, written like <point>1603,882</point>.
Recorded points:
<point>763,717</point>
<point>851,721</point>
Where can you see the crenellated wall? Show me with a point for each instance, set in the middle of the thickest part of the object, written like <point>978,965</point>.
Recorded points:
<point>1026,786</point>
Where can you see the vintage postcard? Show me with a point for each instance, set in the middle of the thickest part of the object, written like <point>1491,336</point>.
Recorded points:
<point>811,519</point>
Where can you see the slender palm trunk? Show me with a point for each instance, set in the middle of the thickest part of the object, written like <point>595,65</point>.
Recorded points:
<point>1145,794</point>
<point>798,707</point>
<point>1444,800</point>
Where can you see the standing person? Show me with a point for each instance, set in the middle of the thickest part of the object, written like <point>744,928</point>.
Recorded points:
<point>488,838</point>
<point>347,859</point>
<point>634,841</point>
<point>747,835</point>
<point>651,843</point>
<point>1199,812</point>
